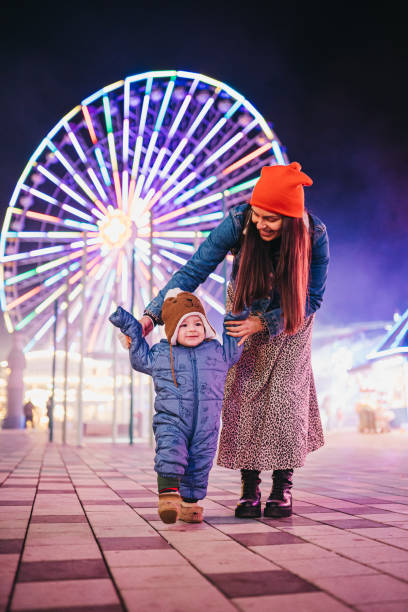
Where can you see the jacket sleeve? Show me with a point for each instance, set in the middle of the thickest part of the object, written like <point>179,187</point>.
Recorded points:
<point>199,267</point>
<point>318,270</point>
<point>139,351</point>
<point>232,352</point>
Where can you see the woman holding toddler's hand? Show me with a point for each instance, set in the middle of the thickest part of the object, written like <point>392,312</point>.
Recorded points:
<point>270,413</point>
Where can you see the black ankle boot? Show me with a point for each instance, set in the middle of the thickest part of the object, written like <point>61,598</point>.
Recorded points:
<point>279,502</point>
<point>249,506</point>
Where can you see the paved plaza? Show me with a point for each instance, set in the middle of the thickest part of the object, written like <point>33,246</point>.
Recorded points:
<point>79,531</point>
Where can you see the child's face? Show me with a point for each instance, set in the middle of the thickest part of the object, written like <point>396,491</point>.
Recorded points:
<point>191,332</point>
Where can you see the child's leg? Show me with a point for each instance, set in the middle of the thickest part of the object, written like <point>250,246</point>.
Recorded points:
<point>193,485</point>
<point>169,498</point>
<point>168,484</point>
<point>170,462</point>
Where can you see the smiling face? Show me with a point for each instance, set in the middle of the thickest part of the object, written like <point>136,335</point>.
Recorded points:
<point>191,331</point>
<point>267,223</point>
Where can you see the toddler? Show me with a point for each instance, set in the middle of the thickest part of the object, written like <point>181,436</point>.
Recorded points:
<point>189,371</point>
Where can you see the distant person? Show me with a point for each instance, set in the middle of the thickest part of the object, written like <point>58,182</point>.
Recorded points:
<point>49,411</point>
<point>189,371</point>
<point>28,410</point>
<point>271,417</point>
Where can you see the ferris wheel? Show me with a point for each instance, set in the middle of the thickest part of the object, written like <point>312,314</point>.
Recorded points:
<point>133,178</point>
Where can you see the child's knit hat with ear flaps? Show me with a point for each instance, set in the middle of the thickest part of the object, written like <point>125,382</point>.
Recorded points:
<point>178,305</point>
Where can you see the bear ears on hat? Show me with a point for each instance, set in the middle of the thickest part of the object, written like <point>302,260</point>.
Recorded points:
<point>173,293</point>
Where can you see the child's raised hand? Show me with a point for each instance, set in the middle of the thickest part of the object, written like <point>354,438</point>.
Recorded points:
<point>125,340</point>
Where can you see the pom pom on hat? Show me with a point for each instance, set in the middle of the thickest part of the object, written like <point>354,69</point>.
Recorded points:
<point>280,189</point>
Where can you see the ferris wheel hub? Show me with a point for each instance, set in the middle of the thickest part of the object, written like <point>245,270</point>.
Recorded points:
<point>115,229</point>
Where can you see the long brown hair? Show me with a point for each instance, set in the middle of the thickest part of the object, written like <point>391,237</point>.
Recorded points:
<point>257,275</point>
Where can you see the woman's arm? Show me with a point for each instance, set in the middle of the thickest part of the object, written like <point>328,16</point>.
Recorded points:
<point>199,267</point>
<point>318,269</point>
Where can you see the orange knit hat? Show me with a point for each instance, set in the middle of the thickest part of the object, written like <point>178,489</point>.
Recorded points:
<point>280,190</point>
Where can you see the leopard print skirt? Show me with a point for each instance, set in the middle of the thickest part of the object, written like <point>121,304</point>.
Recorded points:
<point>270,416</point>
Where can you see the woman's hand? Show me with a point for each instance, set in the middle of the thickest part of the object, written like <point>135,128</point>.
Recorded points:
<point>147,325</point>
<point>244,329</point>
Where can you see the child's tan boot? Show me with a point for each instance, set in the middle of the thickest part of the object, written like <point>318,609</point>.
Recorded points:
<point>169,507</point>
<point>191,513</point>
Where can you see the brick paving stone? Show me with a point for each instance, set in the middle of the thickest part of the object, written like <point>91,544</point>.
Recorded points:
<point>264,539</point>
<point>201,599</point>
<point>104,502</point>
<point>365,589</point>
<point>58,518</point>
<point>92,527</point>
<point>244,584</point>
<point>78,569</point>
<point>354,524</point>
<point>395,606</point>
<point>304,602</point>
<point>61,594</point>
<point>97,608</point>
<point>11,546</point>
<point>142,543</point>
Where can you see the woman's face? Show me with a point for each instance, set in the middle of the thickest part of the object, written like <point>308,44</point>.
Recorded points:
<point>268,224</point>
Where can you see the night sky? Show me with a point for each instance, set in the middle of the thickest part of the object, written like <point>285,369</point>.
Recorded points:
<point>329,78</point>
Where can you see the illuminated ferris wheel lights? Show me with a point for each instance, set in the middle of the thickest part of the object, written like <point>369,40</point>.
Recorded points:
<point>200,117</point>
<point>180,169</point>
<point>177,246</point>
<point>39,194</point>
<point>56,277</point>
<point>137,188</point>
<point>212,302</point>
<point>102,166</point>
<point>191,192</point>
<point>89,124</point>
<point>75,143</point>
<point>277,152</point>
<point>144,270</point>
<point>165,104</point>
<point>115,229</point>
<point>97,184</point>
<point>177,151</point>
<point>210,135</point>
<point>201,218</point>
<point>77,213</point>
<point>179,115</point>
<point>179,187</point>
<point>154,118</point>
<point>241,187</point>
<point>247,158</point>
<point>23,298</point>
<point>125,148</point>
<point>125,189</point>
<point>180,211</point>
<point>155,168</point>
<point>158,274</point>
<point>97,213</point>
<point>223,149</point>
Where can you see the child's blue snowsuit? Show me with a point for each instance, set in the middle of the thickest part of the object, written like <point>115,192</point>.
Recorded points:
<point>187,417</point>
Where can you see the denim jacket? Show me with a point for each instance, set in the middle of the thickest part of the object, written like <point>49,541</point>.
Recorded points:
<point>214,249</point>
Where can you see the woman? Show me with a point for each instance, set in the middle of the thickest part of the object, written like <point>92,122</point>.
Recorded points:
<point>270,413</point>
